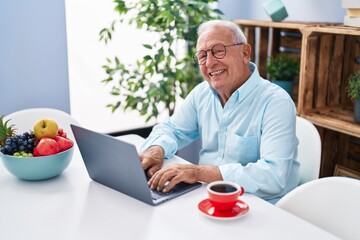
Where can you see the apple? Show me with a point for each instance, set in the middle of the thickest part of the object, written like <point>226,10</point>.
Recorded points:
<point>62,133</point>
<point>46,146</point>
<point>64,143</point>
<point>45,127</point>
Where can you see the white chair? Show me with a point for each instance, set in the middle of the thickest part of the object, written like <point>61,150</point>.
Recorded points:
<point>24,120</point>
<point>309,149</point>
<point>331,203</point>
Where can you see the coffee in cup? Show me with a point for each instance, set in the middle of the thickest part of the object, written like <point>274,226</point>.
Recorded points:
<point>223,195</point>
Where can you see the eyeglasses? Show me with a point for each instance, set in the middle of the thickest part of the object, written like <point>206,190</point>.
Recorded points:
<point>218,51</point>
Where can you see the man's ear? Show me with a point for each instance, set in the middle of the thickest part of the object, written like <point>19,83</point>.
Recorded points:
<point>246,51</point>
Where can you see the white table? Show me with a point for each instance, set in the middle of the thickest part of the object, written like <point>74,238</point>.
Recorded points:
<point>72,206</point>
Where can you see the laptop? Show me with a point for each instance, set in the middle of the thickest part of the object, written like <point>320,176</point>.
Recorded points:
<point>116,164</point>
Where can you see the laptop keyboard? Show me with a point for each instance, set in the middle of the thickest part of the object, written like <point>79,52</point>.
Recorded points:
<point>156,194</point>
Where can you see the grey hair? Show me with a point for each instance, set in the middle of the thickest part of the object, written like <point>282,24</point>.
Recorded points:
<point>238,34</point>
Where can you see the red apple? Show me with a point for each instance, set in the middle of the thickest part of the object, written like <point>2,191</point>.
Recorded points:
<point>61,133</point>
<point>46,146</point>
<point>64,143</point>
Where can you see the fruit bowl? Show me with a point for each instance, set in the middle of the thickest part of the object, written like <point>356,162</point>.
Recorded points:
<point>38,168</point>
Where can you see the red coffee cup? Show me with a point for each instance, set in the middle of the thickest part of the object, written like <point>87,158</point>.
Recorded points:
<point>224,195</point>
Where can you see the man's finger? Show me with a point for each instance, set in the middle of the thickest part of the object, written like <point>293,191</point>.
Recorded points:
<point>171,184</point>
<point>153,182</point>
<point>153,170</point>
<point>145,163</point>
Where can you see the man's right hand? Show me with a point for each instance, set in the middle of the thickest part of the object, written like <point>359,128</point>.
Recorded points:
<point>152,159</point>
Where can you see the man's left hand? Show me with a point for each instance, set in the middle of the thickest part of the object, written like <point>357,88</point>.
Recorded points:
<point>173,174</point>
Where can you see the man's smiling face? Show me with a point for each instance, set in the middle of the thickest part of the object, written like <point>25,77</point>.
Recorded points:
<point>227,74</point>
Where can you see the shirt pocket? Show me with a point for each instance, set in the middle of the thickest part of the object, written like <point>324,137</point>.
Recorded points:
<point>241,149</point>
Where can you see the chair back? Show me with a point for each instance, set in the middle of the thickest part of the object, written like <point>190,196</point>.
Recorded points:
<point>331,203</point>
<point>24,120</point>
<point>309,149</point>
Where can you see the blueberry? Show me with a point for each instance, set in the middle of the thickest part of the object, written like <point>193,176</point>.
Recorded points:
<point>8,141</point>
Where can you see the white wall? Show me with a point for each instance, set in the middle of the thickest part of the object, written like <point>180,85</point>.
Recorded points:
<point>304,10</point>
<point>33,55</point>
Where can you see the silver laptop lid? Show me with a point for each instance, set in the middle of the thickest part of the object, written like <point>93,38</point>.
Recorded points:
<point>113,163</point>
<point>116,164</point>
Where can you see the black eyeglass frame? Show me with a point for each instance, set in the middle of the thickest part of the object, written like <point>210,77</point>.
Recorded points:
<point>196,60</point>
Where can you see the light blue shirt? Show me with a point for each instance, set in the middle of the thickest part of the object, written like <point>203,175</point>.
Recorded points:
<point>252,138</point>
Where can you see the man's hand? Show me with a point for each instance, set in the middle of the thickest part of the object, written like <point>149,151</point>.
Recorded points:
<point>152,159</point>
<point>166,178</point>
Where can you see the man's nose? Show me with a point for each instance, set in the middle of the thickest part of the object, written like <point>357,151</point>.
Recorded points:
<point>210,60</point>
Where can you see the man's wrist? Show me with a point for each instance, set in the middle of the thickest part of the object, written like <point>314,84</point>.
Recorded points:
<point>208,173</point>
<point>157,149</point>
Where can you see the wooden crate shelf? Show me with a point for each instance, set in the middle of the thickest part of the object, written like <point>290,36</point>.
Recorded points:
<point>334,29</point>
<point>337,118</point>
<point>327,60</point>
<point>283,24</point>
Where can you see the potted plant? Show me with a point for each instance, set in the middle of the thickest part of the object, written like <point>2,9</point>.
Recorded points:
<point>283,69</point>
<point>166,72</point>
<point>353,90</point>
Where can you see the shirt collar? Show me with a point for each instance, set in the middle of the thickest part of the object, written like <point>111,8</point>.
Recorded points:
<point>248,86</point>
<point>244,90</point>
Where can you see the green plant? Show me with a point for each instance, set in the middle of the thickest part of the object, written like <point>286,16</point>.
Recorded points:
<point>6,130</point>
<point>283,66</point>
<point>157,79</point>
<point>353,87</point>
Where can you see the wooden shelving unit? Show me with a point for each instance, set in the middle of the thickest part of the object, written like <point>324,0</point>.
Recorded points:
<point>337,118</point>
<point>327,60</point>
<point>329,53</point>
<point>329,56</point>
